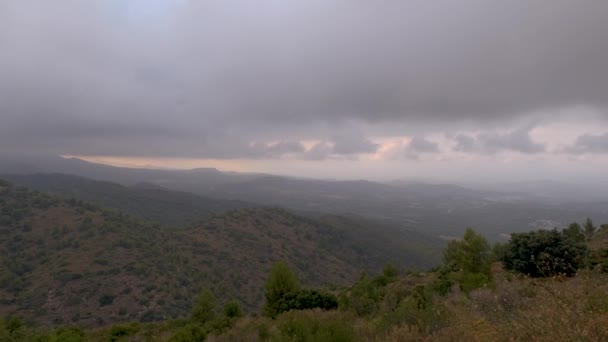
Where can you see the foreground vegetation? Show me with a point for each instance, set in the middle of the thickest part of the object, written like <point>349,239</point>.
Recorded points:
<point>480,293</point>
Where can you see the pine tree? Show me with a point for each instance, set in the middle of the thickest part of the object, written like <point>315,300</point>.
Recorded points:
<point>204,309</point>
<point>280,282</point>
<point>589,229</point>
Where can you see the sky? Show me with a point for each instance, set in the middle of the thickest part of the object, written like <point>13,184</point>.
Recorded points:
<point>448,90</point>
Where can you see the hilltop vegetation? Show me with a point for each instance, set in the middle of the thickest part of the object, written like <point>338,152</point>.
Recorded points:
<point>69,262</point>
<point>504,306</point>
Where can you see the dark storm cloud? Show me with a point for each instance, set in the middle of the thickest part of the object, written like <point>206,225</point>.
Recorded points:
<point>228,79</point>
<point>589,143</point>
<point>485,143</point>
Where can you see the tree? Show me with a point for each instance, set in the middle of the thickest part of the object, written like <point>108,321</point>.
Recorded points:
<point>472,254</point>
<point>390,271</point>
<point>574,232</point>
<point>204,309</point>
<point>389,274</point>
<point>544,253</point>
<point>280,282</point>
<point>589,228</point>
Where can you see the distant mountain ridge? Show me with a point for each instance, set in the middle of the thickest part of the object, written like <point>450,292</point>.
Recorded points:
<point>437,209</point>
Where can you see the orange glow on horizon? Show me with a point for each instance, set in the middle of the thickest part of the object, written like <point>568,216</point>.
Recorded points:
<point>168,163</point>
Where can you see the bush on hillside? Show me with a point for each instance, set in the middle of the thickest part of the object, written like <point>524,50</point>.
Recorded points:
<point>308,326</point>
<point>363,298</point>
<point>232,309</point>
<point>544,253</point>
<point>190,333</point>
<point>307,299</point>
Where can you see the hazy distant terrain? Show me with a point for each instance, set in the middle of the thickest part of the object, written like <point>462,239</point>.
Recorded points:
<point>436,209</point>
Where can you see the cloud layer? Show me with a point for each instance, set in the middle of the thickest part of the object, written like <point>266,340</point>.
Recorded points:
<point>235,79</point>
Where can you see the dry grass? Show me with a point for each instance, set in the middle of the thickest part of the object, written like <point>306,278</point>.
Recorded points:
<point>517,309</point>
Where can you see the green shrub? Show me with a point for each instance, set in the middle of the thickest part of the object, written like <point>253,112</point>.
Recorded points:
<point>364,298</point>
<point>67,335</point>
<point>13,325</point>
<point>233,309</point>
<point>306,299</point>
<point>544,253</point>
<point>417,311</point>
<point>308,326</point>
<point>443,285</point>
<point>122,330</point>
<point>204,309</point>
<point>472,281</point>
<point>106,300</point>
<point>189,333</point>
<point>219,325</point>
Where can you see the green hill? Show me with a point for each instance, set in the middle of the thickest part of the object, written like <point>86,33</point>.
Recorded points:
<point>450,303</point>
<point>145,200</point>
<point>69,262</point>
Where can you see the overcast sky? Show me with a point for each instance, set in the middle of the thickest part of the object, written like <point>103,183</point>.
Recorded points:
<point>451,90</point>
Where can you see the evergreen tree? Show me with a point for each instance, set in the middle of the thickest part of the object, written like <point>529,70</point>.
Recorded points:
<point>204,309</point>
<point>472,254</point>
<point>280,282</point>
<point>589,229</point>
<point>574,232</point>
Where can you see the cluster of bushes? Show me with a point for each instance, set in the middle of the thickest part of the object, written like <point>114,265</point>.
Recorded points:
<point>13,329</point>
<point>545,253</point>
<point>284,293</point>
<point>365,296</point>
<point>305,300</point>
<point>207,318</point>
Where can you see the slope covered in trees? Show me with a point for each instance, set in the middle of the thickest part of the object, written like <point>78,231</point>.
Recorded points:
<point>415,306</point>
<point>145,200</point>
<point>69,262</point>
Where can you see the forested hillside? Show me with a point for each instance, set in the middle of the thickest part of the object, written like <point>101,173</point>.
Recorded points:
<point>145,200</point>
<point>545,285</point>
<point>70,262</point>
